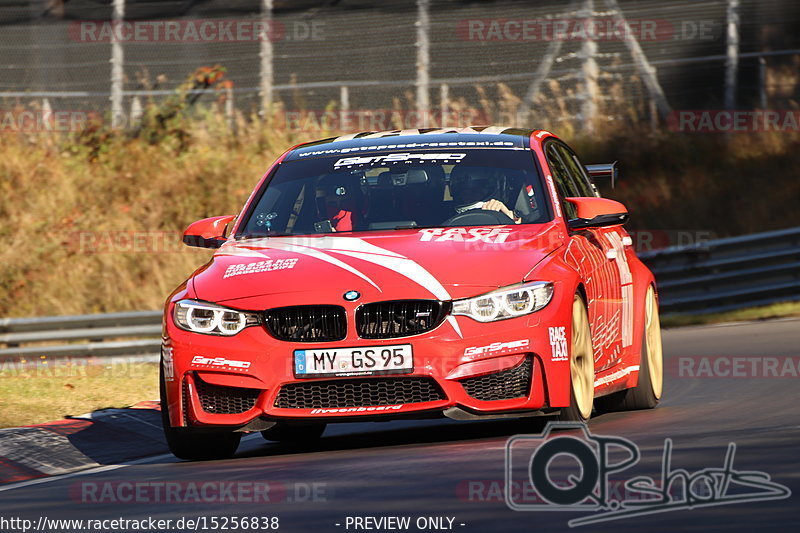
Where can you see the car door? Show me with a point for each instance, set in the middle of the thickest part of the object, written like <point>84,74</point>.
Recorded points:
<point>595,253</point>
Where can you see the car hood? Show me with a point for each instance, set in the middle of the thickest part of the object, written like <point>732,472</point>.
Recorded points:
<point>441,263</point>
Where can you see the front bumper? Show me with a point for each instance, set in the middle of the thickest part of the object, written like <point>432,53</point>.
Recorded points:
<point>461,366</point>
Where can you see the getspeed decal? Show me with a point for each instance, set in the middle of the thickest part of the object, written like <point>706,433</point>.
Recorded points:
<point>220,362</point>
<point>496,347</point>
<point>399,158</point>
<point>259,266</point>
<point>487,235</point>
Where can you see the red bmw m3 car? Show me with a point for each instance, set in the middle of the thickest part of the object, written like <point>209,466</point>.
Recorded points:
<point>461,273</point>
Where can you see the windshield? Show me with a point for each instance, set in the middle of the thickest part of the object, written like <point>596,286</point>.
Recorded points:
<point>398,190</point>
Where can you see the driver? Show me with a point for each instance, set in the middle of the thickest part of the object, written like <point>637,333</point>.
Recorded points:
<point>479,188</point>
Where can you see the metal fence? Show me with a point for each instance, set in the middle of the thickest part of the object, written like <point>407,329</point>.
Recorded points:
<point>726,274</point>
<point>107,335</point>
<point>433,55</point>
<point>714,276</point>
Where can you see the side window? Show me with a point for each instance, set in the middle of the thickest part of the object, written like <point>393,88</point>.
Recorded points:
<point>561,177</point>
<point>576,171</point>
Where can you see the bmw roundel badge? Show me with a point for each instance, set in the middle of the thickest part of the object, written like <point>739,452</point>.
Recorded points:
<point>352,296</point>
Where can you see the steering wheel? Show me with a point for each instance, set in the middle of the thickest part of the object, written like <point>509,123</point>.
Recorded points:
<point>478,217</point>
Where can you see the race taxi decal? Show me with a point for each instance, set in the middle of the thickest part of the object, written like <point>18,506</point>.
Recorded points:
<point>487,235</point>
<point>259,266</point>
<point>558,343</point>
<point>496,348</point>
<point>220,362</point>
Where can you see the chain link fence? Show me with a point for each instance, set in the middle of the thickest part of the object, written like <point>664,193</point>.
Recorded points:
<point>513,61</point>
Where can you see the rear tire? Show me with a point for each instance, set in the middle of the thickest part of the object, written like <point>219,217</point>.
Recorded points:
<point>295,433</point>
<point>192,444</point>
<point>647,392</point>
<point>581,365</point>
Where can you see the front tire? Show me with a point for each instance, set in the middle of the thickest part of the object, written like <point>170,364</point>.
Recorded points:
<point>649,387</point>
<point>191,444</point>
<point>581,366</point>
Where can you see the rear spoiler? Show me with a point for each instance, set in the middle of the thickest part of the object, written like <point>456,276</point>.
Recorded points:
<point>604,171</point>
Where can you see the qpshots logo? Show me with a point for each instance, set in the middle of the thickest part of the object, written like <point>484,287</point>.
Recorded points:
<point>576,471</point>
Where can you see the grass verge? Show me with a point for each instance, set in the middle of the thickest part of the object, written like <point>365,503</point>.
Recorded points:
<point>51,390</point>
<point>777,310</point>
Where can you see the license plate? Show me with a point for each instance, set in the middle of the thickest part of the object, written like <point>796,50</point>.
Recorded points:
<point>364,361</point>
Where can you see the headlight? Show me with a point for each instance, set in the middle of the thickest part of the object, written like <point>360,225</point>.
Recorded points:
<point>211,319</point>
<point>508,302</point>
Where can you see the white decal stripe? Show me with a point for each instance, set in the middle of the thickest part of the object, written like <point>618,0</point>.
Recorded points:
<point>379,134</point>
<point>626,280</point>
<point>240,251</point>
<point>351,244</point>
<point>627,315</point>
<point>405,267</point>
<point>318,254</point>
<point>553,194</point>
<point>442,130</point>
<point>494,129</point>
<point>347,137</point>
<point>360,249</point>
<point>453,322</point>
<point>614,376</point>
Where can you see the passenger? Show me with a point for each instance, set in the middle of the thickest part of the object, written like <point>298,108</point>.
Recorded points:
<point>341,201</point>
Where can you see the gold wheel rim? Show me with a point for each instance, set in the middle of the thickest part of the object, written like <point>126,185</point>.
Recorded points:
<point>654,354</point>
<point>582,360</point>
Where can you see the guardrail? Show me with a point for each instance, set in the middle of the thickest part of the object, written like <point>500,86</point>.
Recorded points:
<point>726,274</point>
<point>714,276</point>
<point>103,331</point>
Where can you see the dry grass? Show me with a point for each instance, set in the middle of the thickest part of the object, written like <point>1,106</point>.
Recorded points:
<point>64,199</point>
<point>46,392</point>
<point>69,213</point>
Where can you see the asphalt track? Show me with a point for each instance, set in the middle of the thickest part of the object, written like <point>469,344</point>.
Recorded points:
<point>453,469</point>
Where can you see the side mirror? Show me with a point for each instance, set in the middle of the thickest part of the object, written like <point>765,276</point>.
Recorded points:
<point>597,212</point>
<point>604,171</point>
<point>208,232</point>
